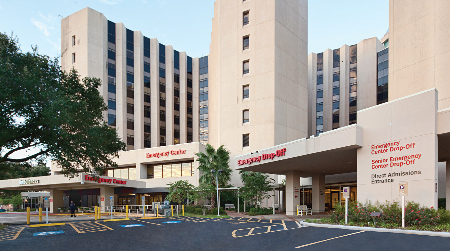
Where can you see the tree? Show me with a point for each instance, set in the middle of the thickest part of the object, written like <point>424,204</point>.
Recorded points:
<point>22,170</point>
<point>180,191</point>
<point>213,160</point>
<point>16,200</point>
<point>44,108</point>
<point>256,186</point>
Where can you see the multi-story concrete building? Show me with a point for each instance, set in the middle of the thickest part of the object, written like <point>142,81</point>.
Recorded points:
<point>340,83</point>
<point>152,90</point>
<point>257,75</point>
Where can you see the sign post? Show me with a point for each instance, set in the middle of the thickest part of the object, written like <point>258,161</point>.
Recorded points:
<point>111,203</point>
<point>346,193</point>
<point>403,191</point>
<point>143,206</point>
<point>46,205</point>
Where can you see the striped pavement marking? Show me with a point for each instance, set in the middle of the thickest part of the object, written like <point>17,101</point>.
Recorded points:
<point>317,242</point>
<point>10,233</point>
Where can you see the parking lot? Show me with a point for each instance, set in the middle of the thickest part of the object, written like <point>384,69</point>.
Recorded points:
<point>191,233</point>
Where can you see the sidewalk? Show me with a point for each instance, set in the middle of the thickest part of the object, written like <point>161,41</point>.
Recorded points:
<point>277,216</point>
<point>21,219</point>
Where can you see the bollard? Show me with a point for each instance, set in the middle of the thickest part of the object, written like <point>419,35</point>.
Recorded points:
<point>126,209</point>
<point>182,206</point>
<point>171,208</point>
<point>99,211</point>
<point>95,213</point>
<point>28,215</point>
<point>157,213</point>
<point>297,209</point>
<point>40,214</point>
<point>143,211</point>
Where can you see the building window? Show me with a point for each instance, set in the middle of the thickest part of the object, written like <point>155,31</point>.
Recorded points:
<point>245,140</point>
<point>73,57</point>
<point>246,66</point>
<point>246,16</point>
<point>246,91</point>
<point>246,43</point>
<point>73,40</point>
<point>246,116</point>
<point>130,124</point>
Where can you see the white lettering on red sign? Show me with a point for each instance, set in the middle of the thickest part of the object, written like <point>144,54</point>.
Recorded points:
<point>249,161</point>
<point>163,154</point>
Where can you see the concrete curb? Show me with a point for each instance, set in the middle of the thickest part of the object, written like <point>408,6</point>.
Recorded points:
<point>385,230</point>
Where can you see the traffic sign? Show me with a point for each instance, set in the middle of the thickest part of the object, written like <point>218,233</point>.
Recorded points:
<point>403,188</point>
<point>46,203</point>
<point>111,200</point>
<point>346,192</point>
<point>143,200</point>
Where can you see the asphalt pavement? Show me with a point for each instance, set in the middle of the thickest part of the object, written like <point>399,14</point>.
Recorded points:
<point>189,233</point>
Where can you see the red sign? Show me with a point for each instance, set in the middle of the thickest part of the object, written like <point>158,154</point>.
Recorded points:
<point>249,161</point>
<point>102,199</point>
<point>103,180</point>
<point>51,200</point>
<point>162,154</point>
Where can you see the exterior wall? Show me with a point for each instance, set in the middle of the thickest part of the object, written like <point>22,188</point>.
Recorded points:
<point>277,75</point>
<point>366,84</point>
<point>398,123</point>
<point>126,102</point>
<point>419,54</point>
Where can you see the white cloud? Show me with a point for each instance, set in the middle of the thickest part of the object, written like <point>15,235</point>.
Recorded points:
<point>45,23</point>
<point>43,27</point>
<point>55,44</point>
<point>111,2</point>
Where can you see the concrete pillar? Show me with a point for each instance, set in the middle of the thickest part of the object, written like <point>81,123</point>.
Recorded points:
<point>141,171</point>
<point>56,200</point>
<point>447,185</point>
<point>292,192</point>
<point>138,90</point>
<point>105,193</point>
<point>169,95</point>
<point>318,193</point>
<point>121,82</point>
<point>183,97</point>
<point>154,94</point>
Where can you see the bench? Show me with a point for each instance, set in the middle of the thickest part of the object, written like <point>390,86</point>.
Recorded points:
<point>305,209</point>
<point>228,206</point>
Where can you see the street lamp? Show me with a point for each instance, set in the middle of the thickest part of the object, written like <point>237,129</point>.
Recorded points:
<point>217,188</point>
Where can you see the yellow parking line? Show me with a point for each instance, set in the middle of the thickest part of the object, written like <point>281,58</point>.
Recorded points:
<point>48,225</point>
<point>317,242</point>
<point>105,226</point>
<point>268,229</point>
<point>250,232</point>
<point>17,234</point>
<point>76,229</point>
<point>116,220</point>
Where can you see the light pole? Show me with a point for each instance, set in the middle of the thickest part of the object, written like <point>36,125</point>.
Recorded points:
<point>217,188</point>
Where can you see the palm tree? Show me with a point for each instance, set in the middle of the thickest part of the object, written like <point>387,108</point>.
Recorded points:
<point>213,161</point>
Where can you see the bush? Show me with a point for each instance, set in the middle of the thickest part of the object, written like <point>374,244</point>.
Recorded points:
<point>416,217</point>
<point>198,209</point>
<point>260,211</point>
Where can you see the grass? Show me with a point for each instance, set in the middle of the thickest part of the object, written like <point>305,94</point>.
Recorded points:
<point>2,226</point>
<point>206,216</point>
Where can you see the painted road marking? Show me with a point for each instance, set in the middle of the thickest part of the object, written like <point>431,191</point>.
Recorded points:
<point>317,242</point>
<point>132,225</point>
<point>48,233</point>
<point>91,227</point>
<point>172,222</point>
<point>10,233</point>
<point>149,222</point>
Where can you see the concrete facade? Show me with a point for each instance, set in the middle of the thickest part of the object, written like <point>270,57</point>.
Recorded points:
<point>419,52</point>
<point>102,47</point>
<point>277,77</point>
<point>330,85</point>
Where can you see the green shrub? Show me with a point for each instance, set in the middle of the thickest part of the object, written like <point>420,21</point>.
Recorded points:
<point>260,211</point>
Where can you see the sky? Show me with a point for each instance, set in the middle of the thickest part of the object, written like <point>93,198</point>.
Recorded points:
<point>186,24</point>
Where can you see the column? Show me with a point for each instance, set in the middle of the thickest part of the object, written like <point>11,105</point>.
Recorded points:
<point>183,97</point>
<point>318,193</point>
<point>105,193</point>
<point>141,171</point>
<point>327,90</point>
<point>138,90</point>
<point>344,86</point>
<point>292,192</point>
<point>154,94</point>
<point>447,184</point>
<point>169,95</point>
<point>56,200</point>
<point>121,82</point>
